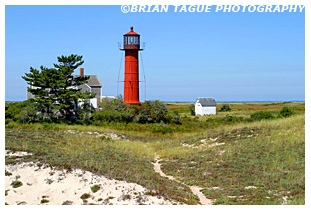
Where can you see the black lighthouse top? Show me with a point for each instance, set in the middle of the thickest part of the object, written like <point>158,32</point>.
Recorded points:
<point>131,40</point>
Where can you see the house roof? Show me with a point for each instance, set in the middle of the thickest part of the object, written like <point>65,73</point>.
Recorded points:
<point>93,81</point>
<point>206,101</point>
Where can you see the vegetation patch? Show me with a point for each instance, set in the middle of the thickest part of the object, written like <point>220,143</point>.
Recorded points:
<point>235,158</point>
<point>95,188</point>
<point>67,202</point>
<point>7,173</point>
<point>265,161</point>
<point>16,184</point>
<point>286,112</point>
<point>225,108</point>
<point>85,196</point>
<point>262,115</point>
<point>44,199</point>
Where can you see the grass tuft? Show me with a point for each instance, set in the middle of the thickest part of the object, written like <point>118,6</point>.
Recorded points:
<point>16,184</point>
<point>85,196</point>
<point>95,188</point>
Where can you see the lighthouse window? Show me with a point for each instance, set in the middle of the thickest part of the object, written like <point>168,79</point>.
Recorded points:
<point>131,40</point>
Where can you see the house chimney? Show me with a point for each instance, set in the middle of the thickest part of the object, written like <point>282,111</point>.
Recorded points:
<point>81,72</point>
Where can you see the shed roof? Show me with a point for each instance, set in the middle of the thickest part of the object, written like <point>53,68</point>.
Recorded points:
<point>206,101</point>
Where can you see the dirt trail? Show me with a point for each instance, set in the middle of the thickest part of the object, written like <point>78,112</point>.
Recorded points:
<point>195,189</point>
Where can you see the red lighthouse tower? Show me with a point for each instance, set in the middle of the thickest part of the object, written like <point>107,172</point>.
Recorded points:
<point>131,46</point>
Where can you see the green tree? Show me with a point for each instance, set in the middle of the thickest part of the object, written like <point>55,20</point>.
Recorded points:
<point>56,89</point>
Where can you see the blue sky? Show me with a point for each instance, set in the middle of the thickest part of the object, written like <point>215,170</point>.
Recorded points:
<point>228,56</point>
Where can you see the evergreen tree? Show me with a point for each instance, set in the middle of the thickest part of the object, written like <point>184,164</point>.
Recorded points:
<point>56,89</point>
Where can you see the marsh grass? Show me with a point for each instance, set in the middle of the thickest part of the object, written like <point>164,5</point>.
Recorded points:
<point>267,154</point>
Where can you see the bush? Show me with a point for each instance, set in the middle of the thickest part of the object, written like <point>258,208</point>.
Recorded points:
<point>151,112</point>
<point>29,111</point>
<point>173,117</point>
<point>113,111</point>
<point>147,112</point>
<point>113,105</point>
<point>192,109</point>
<point>286,112</point>
<point>225,108</point>
<point>261,115</point>
<point>25,111</point>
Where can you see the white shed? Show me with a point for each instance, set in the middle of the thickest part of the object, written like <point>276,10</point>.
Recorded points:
<point>205,106</point>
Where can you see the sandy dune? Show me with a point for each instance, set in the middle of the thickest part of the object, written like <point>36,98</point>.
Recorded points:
<point>43,185</point>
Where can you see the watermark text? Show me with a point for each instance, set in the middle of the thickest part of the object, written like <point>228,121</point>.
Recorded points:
<point>210,8</point>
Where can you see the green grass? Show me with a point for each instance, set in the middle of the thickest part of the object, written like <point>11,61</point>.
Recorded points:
<point>267,154</point>
<point>272,160</point>
<point>122,160</point>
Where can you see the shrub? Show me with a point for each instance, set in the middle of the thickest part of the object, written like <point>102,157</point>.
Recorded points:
<point>147,112</point>
<point>286,112</point>
<point>113,105</point>
<point>225,108</point>
<point>113,111</point>
<point>25,111</point>
<point>151,112</point>
<point>192,109</point>
<point>261,115</point>
<point>173,117</point>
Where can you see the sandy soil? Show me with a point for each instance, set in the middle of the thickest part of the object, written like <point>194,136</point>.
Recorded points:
<point>45,185</point>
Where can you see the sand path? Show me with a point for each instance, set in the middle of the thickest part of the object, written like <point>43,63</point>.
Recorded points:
<point>195,189</point>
